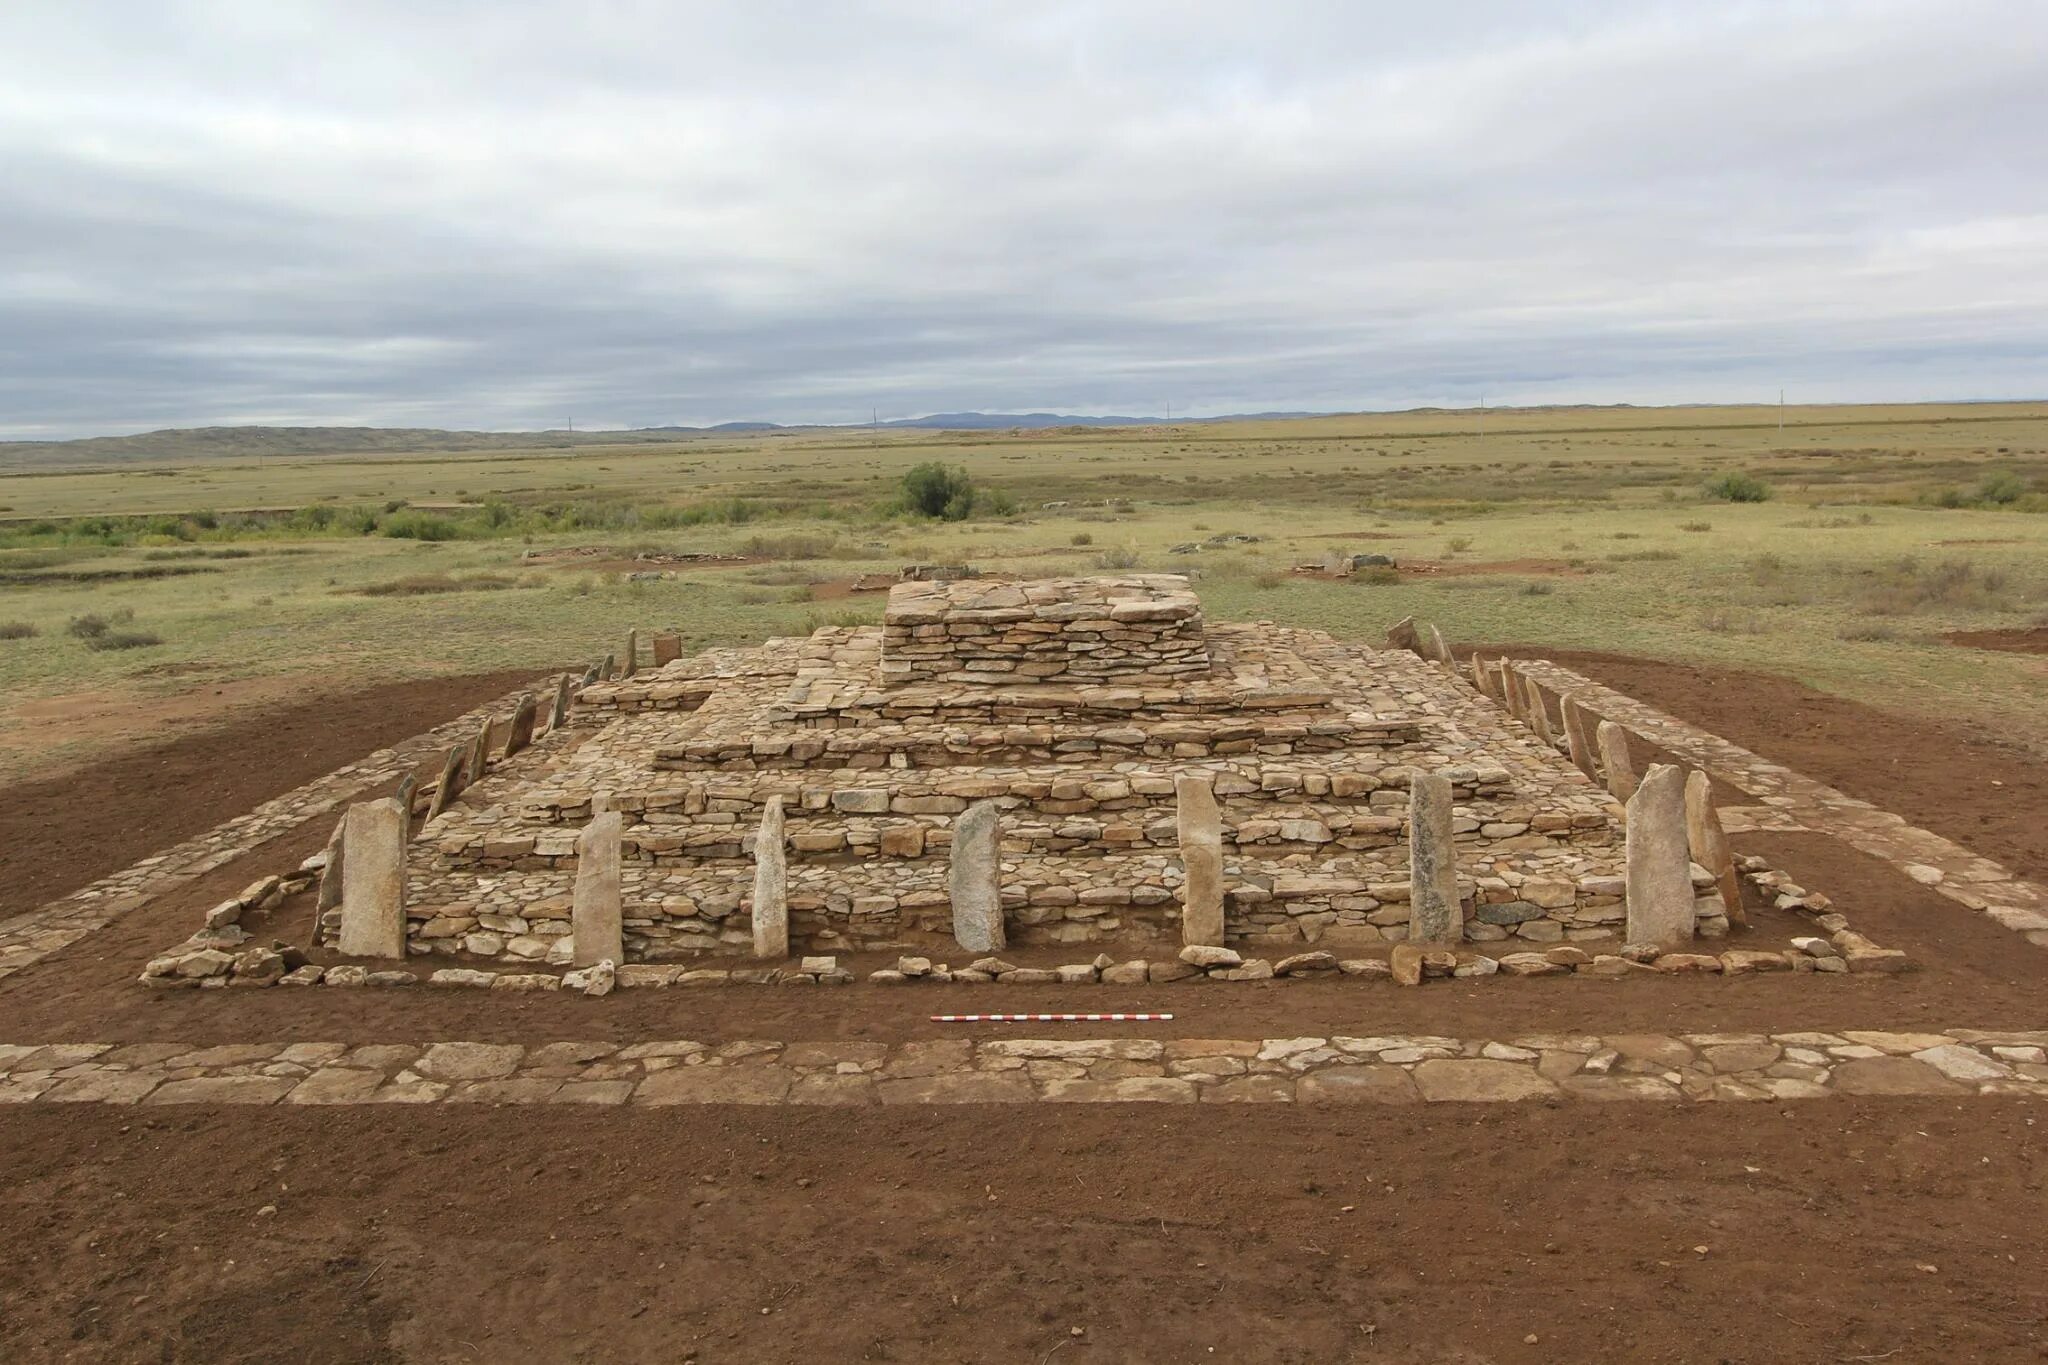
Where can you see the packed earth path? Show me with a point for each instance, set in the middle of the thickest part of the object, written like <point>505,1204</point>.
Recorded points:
<point>1819,1168</point>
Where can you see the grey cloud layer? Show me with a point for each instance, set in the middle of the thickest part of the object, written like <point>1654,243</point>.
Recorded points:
<point>502,215</point>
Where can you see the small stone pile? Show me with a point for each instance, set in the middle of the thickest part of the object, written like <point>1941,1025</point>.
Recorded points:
<point>1136,629</point>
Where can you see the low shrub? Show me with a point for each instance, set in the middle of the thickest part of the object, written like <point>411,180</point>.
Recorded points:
<point>124,639</point>
<point>1118,557</point>
<point>1695,525</point>
<point>1738,487</point>
<point>17,630</point>
<point>427,584</point>
<point>1081,538</point>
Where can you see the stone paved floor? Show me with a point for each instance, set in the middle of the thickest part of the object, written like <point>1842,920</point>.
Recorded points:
<point>1335,1070</point>
<point>1787,800</point>
<point>31,937</point>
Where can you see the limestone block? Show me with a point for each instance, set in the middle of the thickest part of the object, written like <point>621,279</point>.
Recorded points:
<point>1435,915</point>
<point>771,884</point>
<point>1615,762</point>
<point>519,733</point>
<point>1660,899</point>
<point>373,880</point>
<point>974,879</point>
<point>1578,742</point>
<point>595,908</point>
<point>1199,826</point>
<point>450,785</point>
<point>668,648</point>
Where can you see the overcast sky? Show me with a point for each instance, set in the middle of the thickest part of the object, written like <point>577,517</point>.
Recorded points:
<point>510,212</point>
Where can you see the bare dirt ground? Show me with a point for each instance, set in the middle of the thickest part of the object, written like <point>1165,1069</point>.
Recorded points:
<point>1840,1230</point>
<point>59,832</point>
<point>2030,640</point>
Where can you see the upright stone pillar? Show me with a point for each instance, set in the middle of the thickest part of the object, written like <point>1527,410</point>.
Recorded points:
<point>1504,687</point>
<point>975,879</point>
<point>1200,828</point>
<point>480,752</point>
<point>373,880</point>
<point>450,785</point>
<point>1708,843</point>
<point>1434,912</point>
<point>1482,677</point>
<point>1660,901</point>
<point>629,657</point>
<point>1576,740</point>
<point>1401,635</point>
<point>1535,714</point>
<point>520,733</point>
<point>408,788</point>
<point>330,874</point>
<point>1440,651</point>
<point>668,647</point>
<point>597,913</point>
<point>1615,762</point>
<point>771,884</point>
<point>560,716</point>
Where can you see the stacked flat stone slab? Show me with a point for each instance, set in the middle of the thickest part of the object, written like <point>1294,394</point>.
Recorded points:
<point>1141,628</point>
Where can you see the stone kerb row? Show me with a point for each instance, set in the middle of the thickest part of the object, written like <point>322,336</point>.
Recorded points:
<point>28,938</point>
<point>1393,1069</point>
<point>1966,878</point>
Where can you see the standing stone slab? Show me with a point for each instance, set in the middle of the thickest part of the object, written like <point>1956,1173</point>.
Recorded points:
<point>1482,678</point>
<point>1535,714</point>
<point>408,790</point>
<point>974,880</point>
<point>596,912</point>
<point>668,648</point>
<point>1577,741</point>
<point>1615,762</point>
<point>629,657</point>
<point>1401,635</point>
<point>1434,912</point>
<point>450,785</point>
<point>1660,900</point>
<point>330,874</point>
<point>480,753</point>
<point>560,715</point>
<point>771,884</point>
<point>1200,828</point>
<point>1504,687</point>
<point>1440,651</point>
<point>520,733</point>
<point>373,880</point>
<point>1708,843</point>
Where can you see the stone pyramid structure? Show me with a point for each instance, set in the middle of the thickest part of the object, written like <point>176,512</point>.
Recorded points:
<point>1086,714</point>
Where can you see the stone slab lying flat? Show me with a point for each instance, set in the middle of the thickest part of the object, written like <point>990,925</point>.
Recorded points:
<point>1392,1069</point>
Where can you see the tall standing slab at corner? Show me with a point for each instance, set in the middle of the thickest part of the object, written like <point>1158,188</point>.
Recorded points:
<point>1660,900</point>
<point>975,879</point>
<point>520,733</point>
<point>1708,842</point>
<point>1615,762</point>
<point>1483,677</point>
<point>771,884</point>
<point>1435,914</point>
<point>1199,826</point>
<point>373,880</point>
<point>596,911</point>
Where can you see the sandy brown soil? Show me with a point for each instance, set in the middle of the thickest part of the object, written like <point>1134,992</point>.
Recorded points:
<point>60,832</point>
<point>1971,786</point>
<point>2030,640</point>
<point>1903,1230</point>
<point>1840,1230</point>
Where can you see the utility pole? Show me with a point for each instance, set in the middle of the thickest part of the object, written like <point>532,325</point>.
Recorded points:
<point>1781,414</point>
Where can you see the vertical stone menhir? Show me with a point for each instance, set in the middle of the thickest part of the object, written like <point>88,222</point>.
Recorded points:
<point>1577,742</point>
<point>1709,843</point>
<point>373,880</point>
<point>975,879</point>
<point>668,647</point>
<point>1660,900</point>
<point>520,733</point>
<point>1435,914</point>
<point>771,884</point>
<point>1615,762</point>
<point>1200,828</point>
<point>596,913</point>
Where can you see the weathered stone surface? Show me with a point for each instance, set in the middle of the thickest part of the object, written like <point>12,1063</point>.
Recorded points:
<point>1406,964</point>
<point>1401,635</point>
<point>1199,827</point>
<point>1891,1076</point>
<point>1578,742</point>
<point>1708,845</point>
<point>1435,913</point>
<point>450,784</point>
<point>1373,1084</point>
<point>559,716</point>
<point>629,655</point>
<point>1444,1078</point>
<point>1439,651</point>
<point>373,880</point>
<point>668,647</point>
<point>974,881</point>
<point>330,871</point>
<point>771,884</point>
<point>716,1085</point>
<point>469,1061</point>
<point>1207,955</point>
<point>1660,899</point>
<point>1615,763</point>
<point>597,910</point>
<point>519,733</point>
